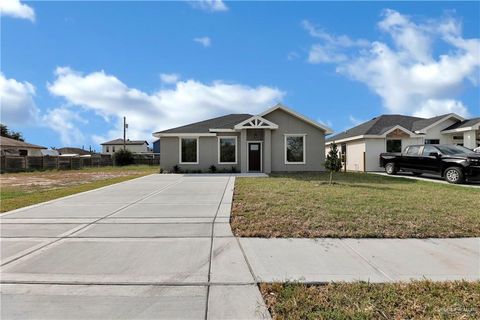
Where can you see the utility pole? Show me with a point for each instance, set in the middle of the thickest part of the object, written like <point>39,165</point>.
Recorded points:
<point>124,132</point>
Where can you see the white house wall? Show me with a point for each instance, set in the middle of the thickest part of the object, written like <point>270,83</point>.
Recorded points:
<point>435,132</point>
<point>133,148</point>
<point>373,149</point>
<point>355,150</point>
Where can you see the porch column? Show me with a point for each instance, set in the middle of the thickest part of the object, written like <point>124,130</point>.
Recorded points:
<point>267,152</point>
<point>469,139</point>
<point>243,150</point>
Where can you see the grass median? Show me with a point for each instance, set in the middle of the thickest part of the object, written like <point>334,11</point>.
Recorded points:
<point>357,205</point>
<point>23,189</point>
<point>413,300</point>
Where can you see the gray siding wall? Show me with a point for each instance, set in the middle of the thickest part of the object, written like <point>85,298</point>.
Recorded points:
<point>208,153</point>
<point>315,143</point>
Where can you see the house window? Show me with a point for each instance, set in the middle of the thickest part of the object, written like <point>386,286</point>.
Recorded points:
<point>295,148</point>
<point>432,141</point>
<point>227,150</point>
<point>394,145</point>
<point>189,150</point>
<point>108,149</point>
<point>113,148</point>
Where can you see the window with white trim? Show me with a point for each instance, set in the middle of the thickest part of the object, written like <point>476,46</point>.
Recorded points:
<point>294,148</point>
<point>227,150</point>
<point>188,150</point>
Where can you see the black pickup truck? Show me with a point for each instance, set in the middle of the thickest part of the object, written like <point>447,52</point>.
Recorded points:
<point>455,163</point>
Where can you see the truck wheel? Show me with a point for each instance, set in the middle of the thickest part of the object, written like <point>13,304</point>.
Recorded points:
<point>454,175</point>
<point>390,168</point>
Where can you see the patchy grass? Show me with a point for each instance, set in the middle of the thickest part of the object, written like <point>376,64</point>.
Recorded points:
<point>357,205</point>
<point>413,300</point>
<point>23,189</point>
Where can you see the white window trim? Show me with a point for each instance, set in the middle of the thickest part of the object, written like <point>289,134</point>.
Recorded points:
<point>286,135</point>
<point>236,149</point>
<point>180,149</point>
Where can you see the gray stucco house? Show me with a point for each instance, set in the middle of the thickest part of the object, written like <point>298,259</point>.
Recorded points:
<point>278,139</point>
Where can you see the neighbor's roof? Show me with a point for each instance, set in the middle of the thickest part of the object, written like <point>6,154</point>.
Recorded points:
<point>380,125</point>
<point>463,124</point>
<point>70,150</point>
<point>12,143</point>
<point>127,142</point>
<point>223,122</point>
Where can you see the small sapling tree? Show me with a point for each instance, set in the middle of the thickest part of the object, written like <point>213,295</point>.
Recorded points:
<point>333,162</point>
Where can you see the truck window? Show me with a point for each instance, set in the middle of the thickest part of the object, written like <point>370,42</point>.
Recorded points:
<point>413,151</point>
<point>429,149</point>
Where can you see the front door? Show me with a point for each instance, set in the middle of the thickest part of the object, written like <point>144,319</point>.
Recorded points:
<point>254,156</point>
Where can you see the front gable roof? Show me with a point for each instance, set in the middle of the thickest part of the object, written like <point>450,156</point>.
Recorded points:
<point>297,115</point>
<point>256,122</point>
<point>465,125</point>
<point>423,125</point>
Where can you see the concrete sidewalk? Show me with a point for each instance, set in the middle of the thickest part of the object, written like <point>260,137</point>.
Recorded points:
<point>374,260</point>
<point>158,247</point>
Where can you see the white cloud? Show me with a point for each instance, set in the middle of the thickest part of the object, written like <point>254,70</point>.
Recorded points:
<point>406,74</point>
<point>292,55</point>
<point>17,104</point>
<point>432,107</point>
<point>188,101</point>
<point>327,123</point>
<point>169,78</point>
<point>65,122</point>
<point>204,41</point>
<point>355,121</point>
<point>209,5</point>
<point>16,9</point>
<point>328,50</point>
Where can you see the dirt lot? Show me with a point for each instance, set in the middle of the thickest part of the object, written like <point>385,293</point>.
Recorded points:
<point>22,189</point>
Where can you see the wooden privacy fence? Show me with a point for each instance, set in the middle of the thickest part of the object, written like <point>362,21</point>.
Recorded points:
<point>33,163</point>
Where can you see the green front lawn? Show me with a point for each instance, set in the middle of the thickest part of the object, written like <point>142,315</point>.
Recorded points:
<point>357,205</point>
<point>23,189</point>
<point>413,300</point>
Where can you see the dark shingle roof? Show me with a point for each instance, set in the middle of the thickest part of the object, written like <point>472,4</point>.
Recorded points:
<point>8,142</point>
<point>128,142</point>
<point>378,126</point>
<point>223,122</point>
<point>73,150</point>
<point>463,124</point>
<point>383,123</point>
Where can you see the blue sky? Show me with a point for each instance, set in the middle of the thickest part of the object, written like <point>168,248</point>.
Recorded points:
<point>72,70</point>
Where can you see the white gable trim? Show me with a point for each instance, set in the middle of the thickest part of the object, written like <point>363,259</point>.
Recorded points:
<point>299,116</point>
<point>256,122</point>
<point>412,134</point>
<point>452,115</point>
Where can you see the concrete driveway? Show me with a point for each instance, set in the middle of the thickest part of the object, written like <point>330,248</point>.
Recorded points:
<point>429,178</point>
<point>157,247</point>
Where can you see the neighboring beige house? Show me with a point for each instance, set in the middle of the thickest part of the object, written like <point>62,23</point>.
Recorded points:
<point>361,146</point>
<point>279,139</point>
<point>19,148</point>
<point>135,146</point>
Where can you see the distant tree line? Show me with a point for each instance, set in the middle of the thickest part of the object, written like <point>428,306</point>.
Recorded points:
<point>5,132</point>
